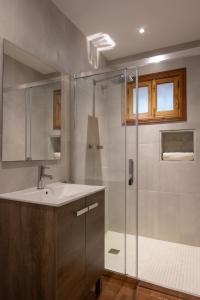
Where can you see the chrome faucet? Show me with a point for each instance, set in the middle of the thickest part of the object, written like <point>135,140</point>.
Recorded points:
<point>42,176</point>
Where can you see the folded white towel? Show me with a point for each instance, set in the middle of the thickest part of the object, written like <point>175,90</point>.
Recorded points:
<point>57,155</point>
<point>178,156</point>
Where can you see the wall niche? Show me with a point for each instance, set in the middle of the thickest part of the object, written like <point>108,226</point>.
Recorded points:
<point>178,145</point>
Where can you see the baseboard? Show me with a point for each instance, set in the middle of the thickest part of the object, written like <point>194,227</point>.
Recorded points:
<point>142,284</point>
<point>120,276</point>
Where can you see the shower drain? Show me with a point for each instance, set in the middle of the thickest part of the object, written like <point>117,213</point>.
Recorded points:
<point>114,251</point>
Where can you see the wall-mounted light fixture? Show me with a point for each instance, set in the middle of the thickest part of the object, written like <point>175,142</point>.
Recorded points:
<point>156,59</point>
<point>97,43</point>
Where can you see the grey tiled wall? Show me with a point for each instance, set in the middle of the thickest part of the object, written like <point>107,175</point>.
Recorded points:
<point>169,192</point>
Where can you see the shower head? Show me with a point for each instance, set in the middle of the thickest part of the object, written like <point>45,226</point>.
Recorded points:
<point>121,79</point>
<point>130,78</point>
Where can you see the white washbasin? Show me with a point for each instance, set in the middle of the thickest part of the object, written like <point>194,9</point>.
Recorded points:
<point>55,194</point>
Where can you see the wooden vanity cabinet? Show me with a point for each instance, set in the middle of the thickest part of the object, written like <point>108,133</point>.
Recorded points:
<point>95,233</point>
<point>51,253</point>
<point>71,259</point>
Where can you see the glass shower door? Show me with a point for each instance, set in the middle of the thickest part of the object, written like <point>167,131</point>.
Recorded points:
<point>99,149</point>
<point>132,175</point>
<point>115,237</point>
<point>169,189</point>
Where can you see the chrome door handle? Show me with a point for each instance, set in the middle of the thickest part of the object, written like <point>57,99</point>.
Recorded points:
<point>82,211</point>
<point>93,206</point>
<point>90,146</point>
<point>99,147</point>
<point>131,172</point>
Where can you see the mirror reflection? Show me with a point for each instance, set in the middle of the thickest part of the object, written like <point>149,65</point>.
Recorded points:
<point>31,108</point>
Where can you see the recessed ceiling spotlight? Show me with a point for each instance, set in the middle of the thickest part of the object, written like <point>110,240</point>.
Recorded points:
<point>141,30</point>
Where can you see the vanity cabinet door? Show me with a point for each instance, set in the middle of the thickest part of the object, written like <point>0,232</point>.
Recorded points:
<point>95,237</point>
<point>71,264</point>
<point>27,251</point>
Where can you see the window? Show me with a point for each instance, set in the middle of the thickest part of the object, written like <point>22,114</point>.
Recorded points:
<point>165,97</point>
<point>161,98</point>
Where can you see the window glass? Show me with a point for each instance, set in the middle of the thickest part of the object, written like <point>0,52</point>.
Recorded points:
<point>143,101</point>
<point>165,97</point>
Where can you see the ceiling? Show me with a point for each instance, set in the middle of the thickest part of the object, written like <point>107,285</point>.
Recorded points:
<point>166,22</point>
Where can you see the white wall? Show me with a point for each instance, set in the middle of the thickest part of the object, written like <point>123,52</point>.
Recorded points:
<point>40,28</point>
<point>101,166</point>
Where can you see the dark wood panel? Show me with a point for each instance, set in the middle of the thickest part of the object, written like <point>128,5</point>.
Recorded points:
<point>148,290</point>
<point>27,255</point>
<point>166,291</point>
<point>10,246</point>
<point>115,289</point>
<point>43,250</point>
<point>121,287</point>
<point>148,294</point>
<point>95,233</point>
<point>122,277</point>
<point>71,264</point>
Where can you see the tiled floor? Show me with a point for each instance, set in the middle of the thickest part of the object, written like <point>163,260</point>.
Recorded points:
<point>171,265</point>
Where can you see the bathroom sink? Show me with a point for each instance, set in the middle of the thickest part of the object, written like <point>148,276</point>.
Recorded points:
<point>55,194</point>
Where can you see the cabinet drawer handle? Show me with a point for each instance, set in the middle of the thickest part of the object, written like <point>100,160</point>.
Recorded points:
<point>94,205</point>
<point>82,211</point>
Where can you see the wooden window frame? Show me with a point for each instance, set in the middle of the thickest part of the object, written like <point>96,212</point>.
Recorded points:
<point>57,109</point>
<point>178,78</point>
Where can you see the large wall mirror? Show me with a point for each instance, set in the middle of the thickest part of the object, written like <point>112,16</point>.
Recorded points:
<point>31,107</point>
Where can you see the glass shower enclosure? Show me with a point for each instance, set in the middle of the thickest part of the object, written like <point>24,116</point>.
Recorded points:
<point>102,156</point>
<point>152,206</point>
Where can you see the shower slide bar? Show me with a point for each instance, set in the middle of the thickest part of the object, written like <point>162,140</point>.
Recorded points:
<point>102,72</point>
